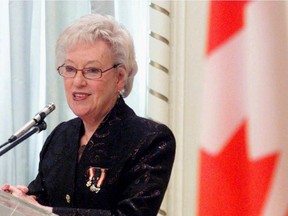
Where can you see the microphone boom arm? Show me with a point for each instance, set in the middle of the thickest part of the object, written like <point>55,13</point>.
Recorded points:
<point>37,128</point>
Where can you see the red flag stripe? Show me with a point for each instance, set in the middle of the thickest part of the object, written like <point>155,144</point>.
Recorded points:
<point>226,18</point>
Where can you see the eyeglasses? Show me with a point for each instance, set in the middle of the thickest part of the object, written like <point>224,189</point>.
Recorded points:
<point>92,73</point>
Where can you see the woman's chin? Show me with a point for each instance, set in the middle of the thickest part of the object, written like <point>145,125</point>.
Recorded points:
<point>81,113</point>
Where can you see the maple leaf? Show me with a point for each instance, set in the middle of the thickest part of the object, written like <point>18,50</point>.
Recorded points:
<point>231,184</point>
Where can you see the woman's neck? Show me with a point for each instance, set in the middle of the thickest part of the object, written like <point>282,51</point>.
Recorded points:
<point>91,124</point>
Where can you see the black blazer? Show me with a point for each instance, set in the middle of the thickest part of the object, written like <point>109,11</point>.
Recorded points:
<point>124,169</point>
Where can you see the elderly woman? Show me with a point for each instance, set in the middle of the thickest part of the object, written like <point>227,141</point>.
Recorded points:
<point>107,161</point>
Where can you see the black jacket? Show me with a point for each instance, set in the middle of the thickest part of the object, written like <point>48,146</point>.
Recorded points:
<point>124,169</point>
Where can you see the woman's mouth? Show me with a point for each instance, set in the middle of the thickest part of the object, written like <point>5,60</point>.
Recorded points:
<point>80,96</point>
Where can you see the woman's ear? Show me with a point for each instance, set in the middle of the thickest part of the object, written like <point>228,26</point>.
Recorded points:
<point>122,77</point>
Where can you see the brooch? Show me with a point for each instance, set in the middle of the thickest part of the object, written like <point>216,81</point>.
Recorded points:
<point>96,177</point>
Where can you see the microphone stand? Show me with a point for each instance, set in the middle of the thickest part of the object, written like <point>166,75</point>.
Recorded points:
<point>37,128</point>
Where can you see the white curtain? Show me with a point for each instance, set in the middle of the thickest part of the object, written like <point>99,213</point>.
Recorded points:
<point>134,15</point>
<point>29,80</point>
<point>19,82</point>
<point>138,27</point>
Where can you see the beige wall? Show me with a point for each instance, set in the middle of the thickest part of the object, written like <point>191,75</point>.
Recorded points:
<point>188,45</point>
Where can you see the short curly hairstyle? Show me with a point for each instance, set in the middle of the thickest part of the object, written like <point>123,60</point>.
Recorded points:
<point>93,27</point>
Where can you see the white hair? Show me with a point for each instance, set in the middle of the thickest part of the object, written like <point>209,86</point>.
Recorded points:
<point>93,27</point>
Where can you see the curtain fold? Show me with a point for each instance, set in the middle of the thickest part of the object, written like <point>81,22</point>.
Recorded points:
<point>59,14</point>
<point>138,28</point>
<point>14,164</point>
<point>5,84</point>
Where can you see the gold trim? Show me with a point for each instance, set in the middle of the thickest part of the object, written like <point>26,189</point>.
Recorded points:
<point>158,95</point>
<point>162,212</point>
<point>159,37</point>
<point>159,66</point>
<point>161,9</point>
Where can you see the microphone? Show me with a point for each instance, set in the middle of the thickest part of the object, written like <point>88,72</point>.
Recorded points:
<point>37,118</point>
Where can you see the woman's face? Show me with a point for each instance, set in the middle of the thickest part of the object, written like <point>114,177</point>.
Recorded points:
<point>92,99</point>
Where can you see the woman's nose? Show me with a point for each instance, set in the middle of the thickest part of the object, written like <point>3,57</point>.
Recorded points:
<point>79,79</point>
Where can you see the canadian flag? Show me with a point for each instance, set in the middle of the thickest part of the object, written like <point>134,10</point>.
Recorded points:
<point>244,140</point>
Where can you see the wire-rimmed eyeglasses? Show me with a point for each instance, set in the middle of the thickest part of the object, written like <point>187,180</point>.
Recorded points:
<point>92,73</point>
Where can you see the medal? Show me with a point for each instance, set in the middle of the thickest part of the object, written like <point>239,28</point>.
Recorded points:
<point>68,199</point>
<point>96,177</point>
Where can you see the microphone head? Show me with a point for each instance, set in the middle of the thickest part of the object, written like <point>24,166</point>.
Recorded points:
<point>44,112</point>
<point>51,107</point>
